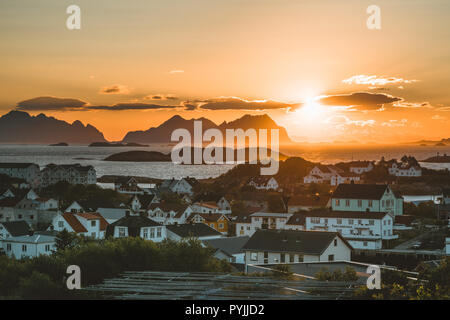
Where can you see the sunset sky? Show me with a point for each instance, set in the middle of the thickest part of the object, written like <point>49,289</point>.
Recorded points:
<point>313,66</point>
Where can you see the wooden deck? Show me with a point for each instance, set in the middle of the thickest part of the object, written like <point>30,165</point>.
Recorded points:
<point>151,285</point>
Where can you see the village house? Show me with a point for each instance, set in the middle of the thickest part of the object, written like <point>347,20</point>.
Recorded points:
<point>220,201</point>
<point>6,193</point>
<point>137,226</point>
<point>71,173</point>
<point>30,172</point>
<point>307,202</point>
<point>111,215</point>
<point>292,246</point>
<point>13,229</point>
<point>261,220</point>
<point>142,203</point>
<point>29,246</point>
<point>363,230</point>
<point>182,186</point>
<point>185,231</point>
<point>366,198</point>
<point>217,221</point>
<point>405,169</point>
<point>90,224</point>
<point>264,183</point>
<point>358,167</point>
<point>229,248</point>
<point>127,185</point>
<point>330,174</point>
<point>169,213</point>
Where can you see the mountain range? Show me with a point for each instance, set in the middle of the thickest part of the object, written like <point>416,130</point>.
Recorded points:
<point>162,133</point>
<point>21,127</point>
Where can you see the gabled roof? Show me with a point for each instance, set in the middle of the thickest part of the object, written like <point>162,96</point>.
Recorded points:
<point>10,165</point>
<point>74,223</point>
<point>359,191</point>
<point>144,200</point>
<point>309,201</point>
<point>16,228</point>
<point>35,238</point>
<point>230,245</point>
<point>9,202</point>
<point>297,220</point>
<point>133,223</point>
<point>305,242</point>
<point>192,230</point>
<point>94,216</point>
<point>179,209</point>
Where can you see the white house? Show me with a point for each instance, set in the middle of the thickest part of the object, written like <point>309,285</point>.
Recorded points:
<point>182,186</point>
<point>169,213</point>
<point>344,177</point>
<point>363,230</point>
<point>264,183</point>
<point>404,169</point>
<point>29,246</point>
<point>221,202</point>
<point>261,220</point>
<point>366,198</point>
<point>90,224</point>
<point>229,248</point>
<point>292,246</point>
<point>321,174</point>
<point>29,172</point>
<point>205,207</point>
<point>13,229</point>
<point>71,173</point>
<point>137,226</point>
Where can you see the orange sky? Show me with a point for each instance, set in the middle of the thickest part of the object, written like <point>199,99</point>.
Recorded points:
<point>309,57</point>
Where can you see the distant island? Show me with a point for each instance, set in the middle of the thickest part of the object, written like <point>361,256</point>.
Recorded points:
<point>438,159</point>
<point>60,144</point>
<point>117,144</point>
<point>155,156</point>
<point>139,156</point>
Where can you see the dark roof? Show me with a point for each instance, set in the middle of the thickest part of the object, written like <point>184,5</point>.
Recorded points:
<point>297,219</point>
<point>16,228</point>
<point>179,209</point>
<point>305,242</point>
<point>9,202</point>
<point>145,199</point>
<point>309,201</point>
<point>359,191</point>
<point>16,165</point>
<point>344,214</point>
<point>230,245</point>
<point>134,224</point>
<point>192,230</point>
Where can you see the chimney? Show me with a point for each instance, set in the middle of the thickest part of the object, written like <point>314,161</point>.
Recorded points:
<point>127,213</point>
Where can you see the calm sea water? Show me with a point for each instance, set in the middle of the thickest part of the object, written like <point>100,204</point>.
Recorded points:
<point>43,155</point>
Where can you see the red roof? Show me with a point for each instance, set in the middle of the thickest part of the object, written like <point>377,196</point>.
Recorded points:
<point>74,223</point>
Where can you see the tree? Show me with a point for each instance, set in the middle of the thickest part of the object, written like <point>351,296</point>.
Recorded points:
<point>65,239</point>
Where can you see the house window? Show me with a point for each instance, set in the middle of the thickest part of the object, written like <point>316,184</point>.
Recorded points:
<point>8,247</point>
<point>122,232</point>
<point>152,233</point>
<point>335,242</point>
<point>339,221</point>
<point>331,257</point>
<point>365,243</point>
<point>254,256</point>
<point>145,233</point>
<point>31,217</point>
<point>47,247</point>
<point>266,257</point>
<point>350,221</point>
<point>20,216</point>
<point>158,232</point>
<point>371,222</point>
<point>291,258</point>
<point>315,220</point>
<point>359,203</point>
<point>24,248</point>
<point>337,202</point>
<point>370,203</point>
<point>347,203</point>
<point>220,225</point>
<point>283,258</point>
<point>93,223</point>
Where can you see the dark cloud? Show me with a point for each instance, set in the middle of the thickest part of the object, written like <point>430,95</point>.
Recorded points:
<point>51,103</point>
<point>240,104</point>
<point>132,106</point>
<point>115,89</point>
<point>360,100</point>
